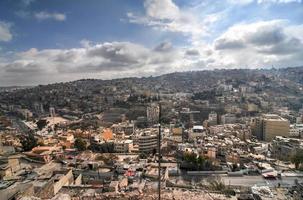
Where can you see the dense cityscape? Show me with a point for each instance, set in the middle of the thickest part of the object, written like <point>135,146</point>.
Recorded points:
<point>151,99</point>
<point>224,134</point>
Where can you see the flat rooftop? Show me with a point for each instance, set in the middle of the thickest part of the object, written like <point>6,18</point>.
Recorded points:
<point>273,117</point>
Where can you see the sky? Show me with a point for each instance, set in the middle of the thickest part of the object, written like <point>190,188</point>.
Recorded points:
<point>48,41</point>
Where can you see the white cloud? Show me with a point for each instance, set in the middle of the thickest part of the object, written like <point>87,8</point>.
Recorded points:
<point>164,9</point>
<point>279,1</point>
<point>165,15</point>
<point>295,30</point>
<point>104,60</point>
<point>85,43</point>
<point>245,2</point>
<point>248,45</point>
<point>240,2</point>
<point>192,52</point>
<point>260,33</point>
<point>46,15</point>
<point>259,44</point>
<point>164,46</point>
<point>27,2</point>
<point>5,33</point>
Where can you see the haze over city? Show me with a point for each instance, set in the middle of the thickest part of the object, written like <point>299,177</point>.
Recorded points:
<point>53,41</point>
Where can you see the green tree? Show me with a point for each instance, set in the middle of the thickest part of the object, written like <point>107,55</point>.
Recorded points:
<point>190,157</point>
<point>41,124</point>
<point>142,155</point>
<point>216,184</point>
<point>200,161</point>
<point>297,159</point>
<point>80,144</point>
<point>28,141</point>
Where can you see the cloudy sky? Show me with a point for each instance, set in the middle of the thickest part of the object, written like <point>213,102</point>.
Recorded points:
<point>46,41</point>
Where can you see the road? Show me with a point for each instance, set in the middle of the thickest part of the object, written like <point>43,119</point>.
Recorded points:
<point>259,180</point>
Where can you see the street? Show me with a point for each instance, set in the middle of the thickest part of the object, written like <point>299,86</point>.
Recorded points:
<point>259,180</point>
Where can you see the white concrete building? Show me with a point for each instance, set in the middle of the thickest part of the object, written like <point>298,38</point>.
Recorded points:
<point>147,142</point>
<point>228,118</point>
<point>123,146</point>
<point>296,130</point>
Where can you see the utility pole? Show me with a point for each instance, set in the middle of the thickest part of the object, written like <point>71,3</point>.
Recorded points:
<point>159,153</point>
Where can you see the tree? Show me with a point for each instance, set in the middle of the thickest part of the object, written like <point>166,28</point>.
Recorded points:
<point>190,157</point>
<point>80,144</point>
<point>200,161</point>
<point>41,124</point>
<point>142,155</point>
<point>216,184</point>
<point>196,162</point>
<point>297,159</point>
<point>28,142</point>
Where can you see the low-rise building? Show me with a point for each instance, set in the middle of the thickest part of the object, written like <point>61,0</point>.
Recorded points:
<point>43,154</point>
<point>228,118</point>
<point>123,146</point>
<point>284,148</point>
<point>196,131</point>
<point>296,130</point>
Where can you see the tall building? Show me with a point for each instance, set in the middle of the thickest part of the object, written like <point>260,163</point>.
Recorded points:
<point>268,126</point>
<point>38,107</point>
<point>147,142</point>
<point>274,125</point>
<point>152,113</point>
<point>212,118</point>
<point>256,128</point>
<point>52,112</point>
<point>228,118</point>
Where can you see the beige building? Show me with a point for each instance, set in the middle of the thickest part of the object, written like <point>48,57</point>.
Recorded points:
<point>10,167</point>
<point>268,126</point>
<point>123,146</point>
<point>177,131</point>
<point>274,125</point>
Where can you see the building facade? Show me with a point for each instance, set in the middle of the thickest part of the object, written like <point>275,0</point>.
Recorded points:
<point>152,114</point>
<point>147,142</point>
<point>268,126</point>
<point>123,146</point>
<point>284,148</point>
<point>274,125</point>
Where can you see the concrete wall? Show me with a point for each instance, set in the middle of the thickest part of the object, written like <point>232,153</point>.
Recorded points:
<point>46,192</point>
<point>65,180</point>
<point>14,164</point>
<point>78,180</point>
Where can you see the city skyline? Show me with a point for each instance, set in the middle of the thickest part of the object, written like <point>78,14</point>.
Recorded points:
<point>55,41</point>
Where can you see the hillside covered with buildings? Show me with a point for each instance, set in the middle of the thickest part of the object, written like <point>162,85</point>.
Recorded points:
<point>222,131</point>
